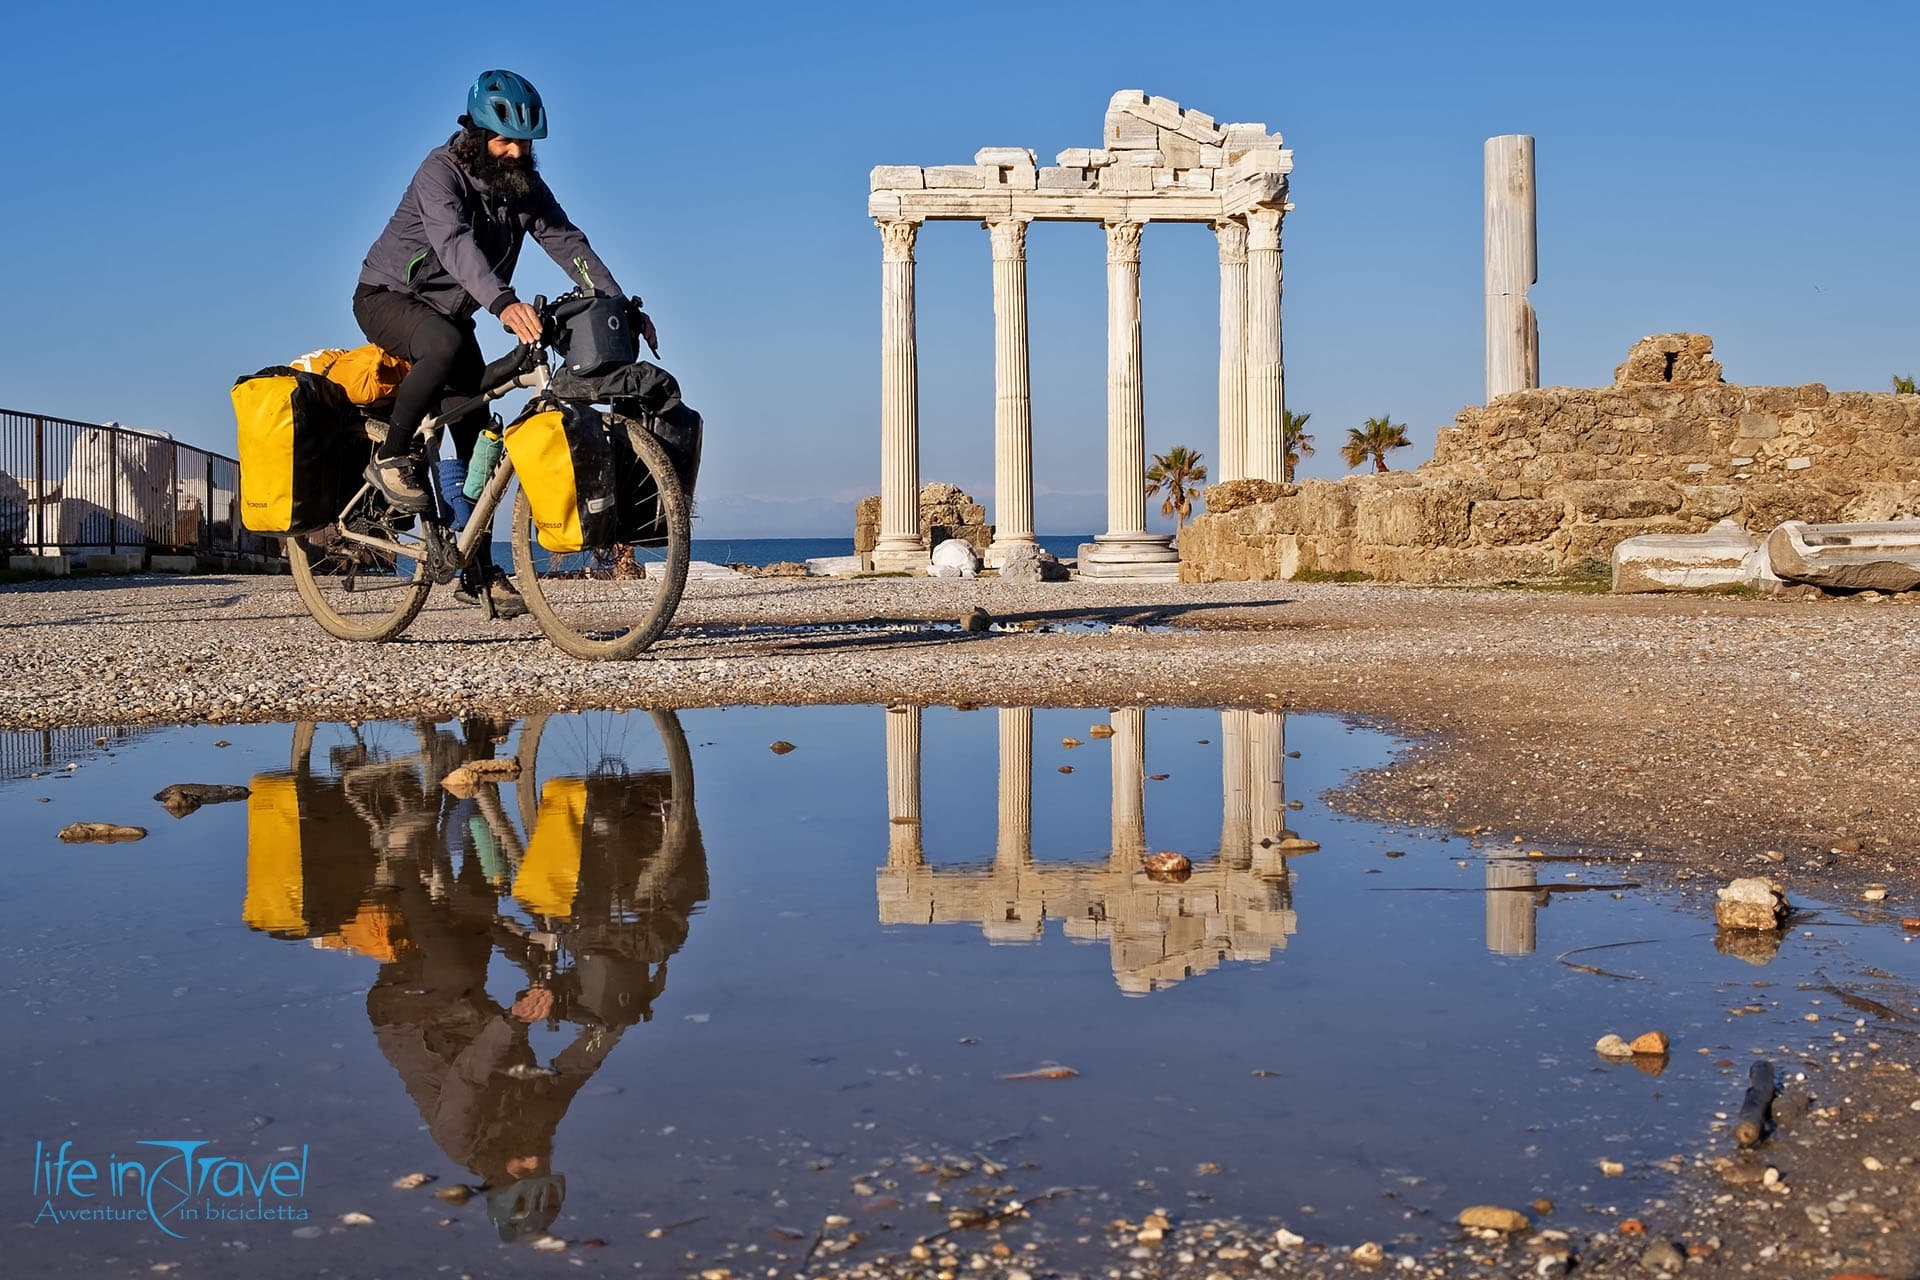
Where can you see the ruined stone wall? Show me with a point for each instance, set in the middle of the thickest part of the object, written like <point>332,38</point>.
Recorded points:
<point>945,512</point>
<point>1541,482</point>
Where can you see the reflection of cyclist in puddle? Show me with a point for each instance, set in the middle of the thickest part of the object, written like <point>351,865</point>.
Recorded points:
<point>608,881</point>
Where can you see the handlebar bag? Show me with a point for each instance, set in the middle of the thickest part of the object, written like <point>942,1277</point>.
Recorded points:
<point>298,463</point>
<point>565,463</point>
<point>595,333</point>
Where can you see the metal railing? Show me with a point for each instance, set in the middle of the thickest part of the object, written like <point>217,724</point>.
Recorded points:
<point>67,486</point>
<point>27,753</point>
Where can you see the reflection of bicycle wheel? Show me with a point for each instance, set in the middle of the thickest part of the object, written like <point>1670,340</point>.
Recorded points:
<point>609,602</point>
<point>355,591</point>
<point>333,748</point>
<point>598,744</point>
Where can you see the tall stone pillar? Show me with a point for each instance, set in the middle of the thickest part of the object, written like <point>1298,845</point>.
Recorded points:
<point>1266,389</point>
<point>900,545</point>
<point>903,787</point>
<point>1513,263</point>
<point>1129,773</point>
<point>1012,397</point>
<point>1236,824</point>
<point>1126,549</point>
<point>1231,461</point>
<point>1014,847</point>
<point>1510,909</point>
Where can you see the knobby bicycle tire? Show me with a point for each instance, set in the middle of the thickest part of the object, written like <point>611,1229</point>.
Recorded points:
<point>642,631</point>
<point>408,601</point>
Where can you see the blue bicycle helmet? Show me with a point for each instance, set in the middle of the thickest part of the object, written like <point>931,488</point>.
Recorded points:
<point>504,103</point>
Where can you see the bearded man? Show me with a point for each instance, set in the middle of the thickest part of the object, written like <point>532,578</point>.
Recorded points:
<point>448,252</point>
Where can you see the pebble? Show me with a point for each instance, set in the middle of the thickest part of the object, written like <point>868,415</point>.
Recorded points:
<point>1872,1164</point>
<point>1612,1046</point>
<point>356,1220</point>
<point>1612,1168</point>
<point>1650,1043</point>
<point>1369,1254</point>
<point>1874,893</point>
<point>1662,1256</point>
<point>781,747</point>
<point>1288,1240</point>
<point>412,1180</point>
<point>1492,1217</point>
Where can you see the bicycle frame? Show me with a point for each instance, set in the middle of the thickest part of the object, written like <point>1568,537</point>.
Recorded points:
<point>480,523</point>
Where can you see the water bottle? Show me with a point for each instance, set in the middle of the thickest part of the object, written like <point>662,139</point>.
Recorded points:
<point>486,453</point>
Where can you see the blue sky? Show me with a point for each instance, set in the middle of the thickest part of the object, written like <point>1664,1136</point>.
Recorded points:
<point>191,189</point>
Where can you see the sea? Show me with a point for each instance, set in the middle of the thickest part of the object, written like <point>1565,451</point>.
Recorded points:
<point>766,551</point>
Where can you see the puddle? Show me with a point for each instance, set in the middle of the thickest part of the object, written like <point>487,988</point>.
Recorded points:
<point>693,996</point>
<point>1059,626</point>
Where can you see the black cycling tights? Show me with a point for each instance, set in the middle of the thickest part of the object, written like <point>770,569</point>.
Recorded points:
<point>447,364</point>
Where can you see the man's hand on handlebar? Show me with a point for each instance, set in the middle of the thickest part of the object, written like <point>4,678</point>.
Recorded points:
<point>523,322</point>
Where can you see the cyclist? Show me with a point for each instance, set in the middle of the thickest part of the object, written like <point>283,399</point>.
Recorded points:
<point>448,251</point>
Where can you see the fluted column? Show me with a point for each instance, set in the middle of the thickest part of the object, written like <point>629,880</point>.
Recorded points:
<point>900,545</point>
<point>1236,839</point>
<point>1510,910</point>
<point>1012,395</point>
<point>1126,549</point>
<point>1266,774</point>
<point>1231,461</point>
<point>1014,848</point>
<point>1266,392</point>
<point>903,787</point>
<point>1129,774</point>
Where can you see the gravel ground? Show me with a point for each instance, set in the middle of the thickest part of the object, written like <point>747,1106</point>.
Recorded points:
<point>1715,736</point>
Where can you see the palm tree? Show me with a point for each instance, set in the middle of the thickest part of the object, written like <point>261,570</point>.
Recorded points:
<point>1372,441</point>
<point>1181,473</point>
<point>1295,442</point>
<point>1904,386</point>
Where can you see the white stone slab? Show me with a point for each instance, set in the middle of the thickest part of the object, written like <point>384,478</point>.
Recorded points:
<point>1213,157</point>
<point>1066,179</point>
<point>954,558</point>
<point>1246,166</point>
<point>1129,133</point>
<point>944,176</point>
<point>1006,155</point>
<point>1183,179</point>
<point>1125,177</point>
<point>1084,158</point>
<point>1143,159</point>
<point>1718,558</point>
<point>896,177</point>
<point>833,566</point>
<point>1179,152</point>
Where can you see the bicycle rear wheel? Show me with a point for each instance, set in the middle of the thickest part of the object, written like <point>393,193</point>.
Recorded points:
<point>608,603</point>
<point>355,591</point>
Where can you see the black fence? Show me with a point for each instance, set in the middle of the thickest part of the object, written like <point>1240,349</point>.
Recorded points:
<point>29,753</point>
<point>78,486</point>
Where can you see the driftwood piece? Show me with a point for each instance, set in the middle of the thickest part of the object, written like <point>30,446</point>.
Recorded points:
<point>100,833</point>
<point>1751,1125</point>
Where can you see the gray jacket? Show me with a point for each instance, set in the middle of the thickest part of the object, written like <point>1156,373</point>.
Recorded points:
<point>453,243</point>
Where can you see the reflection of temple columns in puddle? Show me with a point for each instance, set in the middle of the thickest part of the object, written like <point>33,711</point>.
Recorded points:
<point>1129,754</point>
<point>1236,823</point>
<point>1014,847</point>
<point>903,787</point>
<point>1510,927</point>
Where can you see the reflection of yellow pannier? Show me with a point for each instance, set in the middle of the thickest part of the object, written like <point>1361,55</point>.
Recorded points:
<point>311,870</point>
<point>549,876</point>
<point>565,465</point>
<point>367,373</point>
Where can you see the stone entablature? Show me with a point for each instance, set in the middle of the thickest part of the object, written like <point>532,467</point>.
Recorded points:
<point>1549,481</point>
<point>1157,162</point>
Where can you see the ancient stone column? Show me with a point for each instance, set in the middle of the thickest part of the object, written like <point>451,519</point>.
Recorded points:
<point>1012,398</point>
<point>1267,774</point>
<point>1128,747</point>
<point>1014,847</point>
<point>903,787</point>
<point>1513,332</point>
<point>1266,390</point>
<point>1231,461</point>
<point>1126,549</point>
<point>900,545</point>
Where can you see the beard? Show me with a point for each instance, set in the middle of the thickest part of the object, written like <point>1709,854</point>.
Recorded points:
<point>511,178</point>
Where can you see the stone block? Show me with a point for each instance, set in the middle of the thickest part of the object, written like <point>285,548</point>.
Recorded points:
<point>1178,152</point>
<point>953,176</point>
<point>1710,501</point>
<point>1005,156</point>
<point>1124,178</point>
<point>1255,163</point>
<point>896,177</point>
<point>1799,464</point>
<point>1670,357</point>
<point>1751,904</point>
<point>1436,516</point>
<point>1129,133</point>
<point>1716,559</point>
<point>1212,157</point>
<point>1848,557</point>
<point>1231,495</point>
<point>1517,521</point>
<point>1083,158</point>
<point>1766,506</point>
<point>1150,159</point>
<point>1238,139</point>
<point>954,558</point>
<point>1623,499</point>
<point>834,566</point>
<point>1025,562</point>
<point>56,566</point>
<point>1183,179</point>
<point>170,564</point>
<point>1064,179</point>
<point>111,561</point>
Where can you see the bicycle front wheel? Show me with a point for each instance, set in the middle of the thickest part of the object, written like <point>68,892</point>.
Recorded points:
<point>609,603</point>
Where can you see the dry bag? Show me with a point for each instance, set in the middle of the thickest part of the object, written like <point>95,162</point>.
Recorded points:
<point>368,374</point>
<point>301,450</point>
<point>565,464</point>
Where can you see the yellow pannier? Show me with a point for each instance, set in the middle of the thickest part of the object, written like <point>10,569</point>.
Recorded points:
<point>549,876</point>
<point>565,463</point>
<point>300,450</point>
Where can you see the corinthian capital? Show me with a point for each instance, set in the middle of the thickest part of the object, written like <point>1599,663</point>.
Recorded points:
<point>1233,241</point>
<point>896,240</point>
<point>1263,228</point>
<point>1123,242</point>
<point>1009,239</point>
